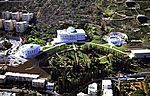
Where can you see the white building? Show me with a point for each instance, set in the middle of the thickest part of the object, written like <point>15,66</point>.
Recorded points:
<point>29,50</point>
<point>92,89</point>
<point>21,76</point>
<point>116,38</point>
<point>6,15</point>
<point>7,94</point>
<point>27,16</point>
<point>9,25</point>
<point>145,53</point>
<point>107,88</point>
<point>16,15</point>
<point>82,94</point>
<point>50,86</point>
<point>38,83</point>
<point>2,79</point>
<point>69,35</point>
<point>21,26</point>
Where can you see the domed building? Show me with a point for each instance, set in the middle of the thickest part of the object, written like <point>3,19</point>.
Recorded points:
<point>69,35</point>
<point>116,38</point>
<point>29,50</point>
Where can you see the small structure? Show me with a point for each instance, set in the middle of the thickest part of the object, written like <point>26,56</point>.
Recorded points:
<point>82,94</point>
<point>2,79</point>
<point>6,15</point>
<point>145,53</point>
<point>92,89</point>
<point>27,17</point>
<point>20,76</point>
<point>16,16</point>
<point>9,25</point>
<point>21,26</point>
<point>38,83</point>
<point>135,43</point>
<point>130,3</point>
<point>50,86</point>
<point>29,50</point>
<point>7,94</point>
<point>1,23</point>
<point>69,35</point>
<point>116,38</point>
<point>107,88</point>
<point>142,19</point>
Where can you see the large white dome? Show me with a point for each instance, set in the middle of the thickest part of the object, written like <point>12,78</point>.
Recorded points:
<point>71,30</point>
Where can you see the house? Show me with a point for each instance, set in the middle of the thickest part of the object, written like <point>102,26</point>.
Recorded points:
<point>92,89</point>
<point>21,26</point>
<point>29,50</point>
<point>9,25</point>
<point>143,53</point>
<point>16,16</point>
<point>38,83</point>
<point>6,15</point>
<point>69,35</point>
<point>50,86</point>
<point>20,76</point>
<point>4,93</point>
<point>107,88</point>
<point>2,79</point>
<point>27,16</point>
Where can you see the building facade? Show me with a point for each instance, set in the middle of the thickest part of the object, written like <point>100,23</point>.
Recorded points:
<point>38,83</point>
<point>6,15</point>
<point>92,89</point>
<point>69,35</point>
<point>21,26</point>
<point>116,38</point>
<point>16,16</point>
<point>107,88</point>
<point>29,50</point>
<point>27,17</point>
<point>9,25</point>
<point>20,76</point>
<point>145,53</point>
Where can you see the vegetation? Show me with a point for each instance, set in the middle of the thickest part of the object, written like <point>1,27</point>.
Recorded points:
<point>71,66</point>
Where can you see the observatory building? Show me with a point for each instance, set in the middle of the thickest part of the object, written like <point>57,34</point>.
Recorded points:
<point>69,35</point>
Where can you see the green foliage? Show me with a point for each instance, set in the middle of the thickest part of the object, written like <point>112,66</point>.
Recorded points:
<point>35,40</point>
<point>109,12</point>
<point>139,93</point>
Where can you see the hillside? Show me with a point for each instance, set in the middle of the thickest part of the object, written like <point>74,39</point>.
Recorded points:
<point>56,13</point>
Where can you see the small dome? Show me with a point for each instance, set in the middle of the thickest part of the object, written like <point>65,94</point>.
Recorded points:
<point>71,30</point>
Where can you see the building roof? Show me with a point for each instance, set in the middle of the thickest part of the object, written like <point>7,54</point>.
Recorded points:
<point>27,13</point>
<point>8,21</point>
<point>71,30</point>
<point>29,46</point>
<point>140,51</point>
<point>106,82</point>
<point>38,80</point>
<point>92,87</point>
<point>21,75</point>
<point>29,68</point>
<point>65,31</point>
<point>2,76</point>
